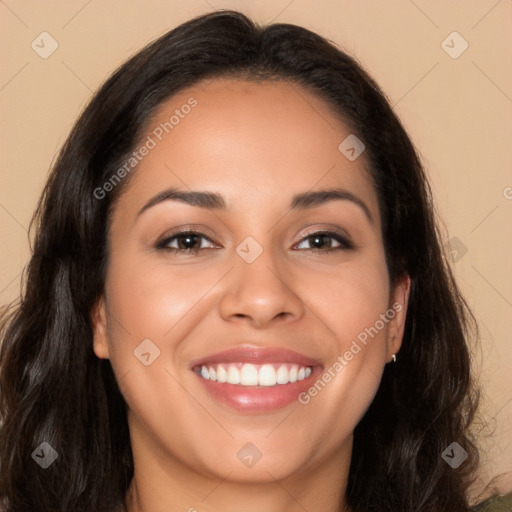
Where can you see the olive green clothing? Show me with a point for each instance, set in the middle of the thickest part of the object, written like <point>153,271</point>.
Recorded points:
<point>496,504</point>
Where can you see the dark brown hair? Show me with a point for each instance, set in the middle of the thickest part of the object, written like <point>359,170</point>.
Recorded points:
<point>54,389</point>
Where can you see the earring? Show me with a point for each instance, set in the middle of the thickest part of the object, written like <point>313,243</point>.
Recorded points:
<point>393,358</point>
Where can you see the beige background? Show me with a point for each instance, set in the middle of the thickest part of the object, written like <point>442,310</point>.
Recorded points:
<point>457,110</point>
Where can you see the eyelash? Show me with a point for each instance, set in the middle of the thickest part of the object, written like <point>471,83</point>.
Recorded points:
<point>345,243</point>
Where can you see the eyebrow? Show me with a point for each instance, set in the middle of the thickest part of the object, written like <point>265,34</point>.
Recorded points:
<point>214,201</point>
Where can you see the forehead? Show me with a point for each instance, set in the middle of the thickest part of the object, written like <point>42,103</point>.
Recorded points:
<point>248,140</point>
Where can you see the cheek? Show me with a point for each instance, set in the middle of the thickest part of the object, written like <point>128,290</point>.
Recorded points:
<point>151,298</point>
<point>148,299</point>
<point>352,305</point>
<point>349,300</point>
<point>152,310</point>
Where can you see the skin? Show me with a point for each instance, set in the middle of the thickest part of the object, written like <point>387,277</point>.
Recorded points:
<point>257,145</point>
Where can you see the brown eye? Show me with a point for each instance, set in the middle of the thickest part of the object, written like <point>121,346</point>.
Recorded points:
<point>186,241</point>
<point>323,241</point>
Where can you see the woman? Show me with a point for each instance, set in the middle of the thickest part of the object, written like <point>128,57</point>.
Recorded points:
<point>237,298</point>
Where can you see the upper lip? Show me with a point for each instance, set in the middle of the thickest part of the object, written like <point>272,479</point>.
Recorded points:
<point>256,355</point>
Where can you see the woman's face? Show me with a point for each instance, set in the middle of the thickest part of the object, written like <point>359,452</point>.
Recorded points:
<point>256,353</point>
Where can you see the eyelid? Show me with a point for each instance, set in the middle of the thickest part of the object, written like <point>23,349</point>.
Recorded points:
<point>198,229</point>
<point>327,229</point>
<point>163,241</point>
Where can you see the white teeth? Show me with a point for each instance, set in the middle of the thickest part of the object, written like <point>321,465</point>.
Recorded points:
<point>267,375</point>
<point>247,374</point>
<point>282,375</point>
<point>222,375</point>
<point>233,375</point>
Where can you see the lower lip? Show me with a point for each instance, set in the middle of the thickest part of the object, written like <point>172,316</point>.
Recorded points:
<point>261,398</point>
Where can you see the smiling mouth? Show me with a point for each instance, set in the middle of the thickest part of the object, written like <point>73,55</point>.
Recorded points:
<point>254,375</point>
<point>256,380</point>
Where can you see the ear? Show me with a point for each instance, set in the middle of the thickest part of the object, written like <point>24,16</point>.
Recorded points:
<point>399,299</point>
<point>99,325</point>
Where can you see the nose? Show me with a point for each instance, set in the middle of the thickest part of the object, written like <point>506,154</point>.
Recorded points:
<point>256,293</point>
